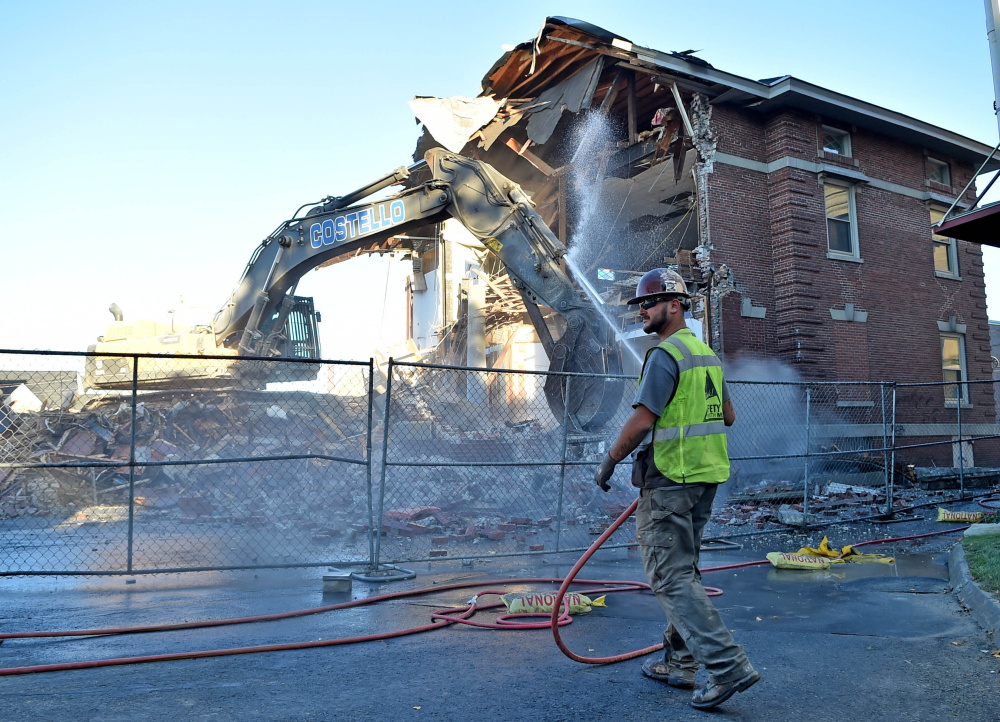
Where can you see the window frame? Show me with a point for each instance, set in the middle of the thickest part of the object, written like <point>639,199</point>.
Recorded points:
<point>934,163</point>
<point>963,371</point>
<point>954,272</point>
<point>852,213</point>
<point>844,134</point>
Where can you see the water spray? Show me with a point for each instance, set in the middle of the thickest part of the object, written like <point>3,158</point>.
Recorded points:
<point>601,307</point>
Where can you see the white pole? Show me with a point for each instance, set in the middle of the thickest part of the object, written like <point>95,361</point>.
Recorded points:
<point>992,21</point>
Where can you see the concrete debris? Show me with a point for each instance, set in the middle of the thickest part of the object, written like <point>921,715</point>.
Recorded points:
<point>175,429</point>
<point>932,478</point>
<point>768,504</point>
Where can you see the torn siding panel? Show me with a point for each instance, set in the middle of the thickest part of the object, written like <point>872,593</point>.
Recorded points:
<point>571,94</point>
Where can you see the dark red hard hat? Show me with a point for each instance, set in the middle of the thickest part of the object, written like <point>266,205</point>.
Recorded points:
<point>659,282</point>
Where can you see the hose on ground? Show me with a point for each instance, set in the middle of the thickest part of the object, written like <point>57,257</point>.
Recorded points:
<point>559,616</point>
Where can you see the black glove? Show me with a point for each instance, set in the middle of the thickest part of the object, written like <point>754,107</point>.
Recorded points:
<point>604,472</point>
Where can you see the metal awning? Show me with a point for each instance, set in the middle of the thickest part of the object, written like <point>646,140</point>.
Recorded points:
<point>980,225</point>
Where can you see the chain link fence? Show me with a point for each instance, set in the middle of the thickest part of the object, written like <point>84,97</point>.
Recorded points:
<point>238,467</point>
<point>175,463</point>
<point>480,464</point>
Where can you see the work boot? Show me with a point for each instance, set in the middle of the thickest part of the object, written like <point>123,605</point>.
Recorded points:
<point>663,672</point>
<point>717,693</point>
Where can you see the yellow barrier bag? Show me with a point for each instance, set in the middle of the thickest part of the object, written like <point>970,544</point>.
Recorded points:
<point>969,517</point>
<point>541,602</point>
<point>846,554</point>
<point>823,550</point>
<point>783,560</point>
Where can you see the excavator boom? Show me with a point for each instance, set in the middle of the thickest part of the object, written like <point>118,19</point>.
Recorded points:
<point>494,209</point>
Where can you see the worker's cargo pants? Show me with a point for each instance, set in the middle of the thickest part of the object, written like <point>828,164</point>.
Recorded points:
<point>670,522</point>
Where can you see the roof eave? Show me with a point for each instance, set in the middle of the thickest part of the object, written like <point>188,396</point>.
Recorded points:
<point>792,92</point>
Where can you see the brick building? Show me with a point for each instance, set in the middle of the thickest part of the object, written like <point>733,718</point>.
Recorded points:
<point>801,216</point>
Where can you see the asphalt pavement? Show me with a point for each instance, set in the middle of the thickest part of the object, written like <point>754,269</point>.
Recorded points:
<point>871,642</point>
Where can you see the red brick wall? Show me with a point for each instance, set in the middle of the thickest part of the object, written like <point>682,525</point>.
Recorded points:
<point>770,229</point>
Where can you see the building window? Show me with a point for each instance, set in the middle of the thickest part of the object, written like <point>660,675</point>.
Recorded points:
<point>953,368</point>
<point>938,172</point>
<point>945,249</point>
<point>841,227</point>
<point>836,141</point>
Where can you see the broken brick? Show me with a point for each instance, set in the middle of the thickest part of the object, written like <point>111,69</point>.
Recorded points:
<point>412,513</point>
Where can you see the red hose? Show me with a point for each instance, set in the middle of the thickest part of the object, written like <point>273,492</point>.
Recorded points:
<point>311,610</point>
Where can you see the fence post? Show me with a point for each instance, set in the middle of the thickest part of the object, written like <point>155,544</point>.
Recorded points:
<point>131,462</point>
<point>961,456</point>
<point>368,464</point>
<point>885,446</point>
<point>562,466</point>
<point>385,448</point>
<point>892,459</point>
<point>805,485</point>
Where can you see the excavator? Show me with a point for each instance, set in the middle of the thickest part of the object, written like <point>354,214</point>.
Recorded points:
<point>264,318</point>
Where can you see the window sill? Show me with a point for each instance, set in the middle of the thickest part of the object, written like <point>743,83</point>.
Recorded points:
<point>950,404</point>
<point>843,257</point>
<point>945,274</point>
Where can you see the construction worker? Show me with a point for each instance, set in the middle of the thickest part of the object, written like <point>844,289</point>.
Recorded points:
<point>678,426</point>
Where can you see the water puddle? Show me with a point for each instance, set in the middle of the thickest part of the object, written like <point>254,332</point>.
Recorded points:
<point>907,565</point>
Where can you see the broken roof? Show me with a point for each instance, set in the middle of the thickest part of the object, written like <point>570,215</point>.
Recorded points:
<point>564,63</point>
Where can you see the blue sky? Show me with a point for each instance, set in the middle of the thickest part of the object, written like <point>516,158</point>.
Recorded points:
<point>145,149</point>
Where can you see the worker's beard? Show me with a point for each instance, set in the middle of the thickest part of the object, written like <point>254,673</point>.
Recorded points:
<point>655,325</point>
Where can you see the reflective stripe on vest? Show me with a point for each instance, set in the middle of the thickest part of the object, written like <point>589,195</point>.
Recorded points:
<point>703,429</point>
<point>689,438</point>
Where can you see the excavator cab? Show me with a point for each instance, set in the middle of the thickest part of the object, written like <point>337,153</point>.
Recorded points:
<point>301,335</point>
<point>297,337</point>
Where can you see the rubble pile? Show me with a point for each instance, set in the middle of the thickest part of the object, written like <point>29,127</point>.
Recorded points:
<point>774,504</point>
<point>447,506</point>
<point>188,427</point>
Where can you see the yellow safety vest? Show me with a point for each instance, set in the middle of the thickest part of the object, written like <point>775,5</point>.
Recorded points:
<point>689,438</point>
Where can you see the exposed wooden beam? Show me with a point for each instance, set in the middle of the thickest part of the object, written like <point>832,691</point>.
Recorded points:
<point>633,130</point>
<point>522,150</point>
<point>680,108</point>
<point>562,209</point>
<point>609,97</point>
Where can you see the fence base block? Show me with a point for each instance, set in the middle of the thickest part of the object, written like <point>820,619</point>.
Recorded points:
<point>384,573</point>
<point>336,581</point>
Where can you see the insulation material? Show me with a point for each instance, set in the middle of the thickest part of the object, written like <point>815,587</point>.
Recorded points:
<point>453,121</point>
<point>22,401</point>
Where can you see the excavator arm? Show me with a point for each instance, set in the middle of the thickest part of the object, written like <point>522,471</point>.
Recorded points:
<point>495,210</point>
